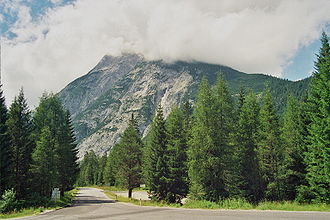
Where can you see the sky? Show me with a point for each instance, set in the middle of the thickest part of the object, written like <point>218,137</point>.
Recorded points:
<point>48,43</point>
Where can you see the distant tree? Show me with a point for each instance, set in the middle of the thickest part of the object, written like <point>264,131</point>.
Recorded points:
<point>20,128</point>
<point>111,168</point>
<point>129,171</point>
<point>155,167</point>
<point>43,168</point>
<point>246,141</point>
<point>102,166</point>
<point>177,156</point>
<point>270,153</point>
<point>317,157</point>
<point>88,170</point>
<point>5,160</point>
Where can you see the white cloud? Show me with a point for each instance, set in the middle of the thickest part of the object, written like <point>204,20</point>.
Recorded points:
<point>250,35</point>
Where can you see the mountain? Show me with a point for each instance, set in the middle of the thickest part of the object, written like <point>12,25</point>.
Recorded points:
<point>102,100</point>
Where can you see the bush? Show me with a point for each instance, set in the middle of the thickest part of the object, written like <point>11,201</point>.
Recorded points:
<point>8,202</point>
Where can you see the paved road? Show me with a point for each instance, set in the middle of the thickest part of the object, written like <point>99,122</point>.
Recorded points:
<point>93,204</point>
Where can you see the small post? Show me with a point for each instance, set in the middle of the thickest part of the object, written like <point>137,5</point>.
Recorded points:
<point>140,202</point>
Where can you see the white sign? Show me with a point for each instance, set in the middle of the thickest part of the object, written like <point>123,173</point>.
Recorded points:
<point>56,194</point>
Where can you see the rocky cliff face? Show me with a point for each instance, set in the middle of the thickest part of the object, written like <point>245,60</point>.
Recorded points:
<point>101,101</point>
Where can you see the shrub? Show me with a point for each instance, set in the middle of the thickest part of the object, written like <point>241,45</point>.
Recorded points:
<point>8,202</point>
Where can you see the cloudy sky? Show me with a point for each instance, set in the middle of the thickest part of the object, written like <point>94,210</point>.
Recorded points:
<point>48,43</point>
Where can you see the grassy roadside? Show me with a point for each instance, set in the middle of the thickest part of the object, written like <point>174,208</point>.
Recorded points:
<point>226,204</point>
<point>65,200</point>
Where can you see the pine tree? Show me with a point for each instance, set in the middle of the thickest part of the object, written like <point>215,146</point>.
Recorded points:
<point>20,128</point>
<point>102,165</point>
<point>293,147</point>
<point>246,141</point>
<point>111,168</point>
<point>225,119</point>
<point>318,155</point>
<point>206,167</point>
<point>5,160</point>
<point>51,114</point>
<point>67,153</point>
<point>155,168</point>
<point>177,156</point>
<point>129,171</point>
<point>43,168</point>
<point>269,149</point>
<point>88,170</point>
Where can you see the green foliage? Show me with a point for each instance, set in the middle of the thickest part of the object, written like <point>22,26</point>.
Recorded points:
<point>246,144</point>
<point>8,202</point>
<point>210,146</point>
<point>88,170</point>
<point>317,157</point>
<point>177,155</point>
<point>294,169</point>
<point>43,168</point>
<point>270,151</point>
<point>51,116</point>
<point>20,128</point>
<point>155,167</point>
<point>102,162</point>
<point>129,169</point>
<point>5,160</point>
<point>111,166</point>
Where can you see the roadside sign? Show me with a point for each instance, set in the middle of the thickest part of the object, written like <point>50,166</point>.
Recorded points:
<point>56,194</point>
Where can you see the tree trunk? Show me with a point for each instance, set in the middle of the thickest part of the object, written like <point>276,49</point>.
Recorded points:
<point>130,193</point>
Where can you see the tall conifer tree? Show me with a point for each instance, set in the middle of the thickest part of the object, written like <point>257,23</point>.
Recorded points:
<point>294,147</point>
<point>246,141</point>
<point>177,156</point>
<point>206,165</point>
<point>155,156</point>
<point>129,171</point>
<point>20,128</point>
<point>318,155</point>
<point>269,149</point>
<point>5,160</point>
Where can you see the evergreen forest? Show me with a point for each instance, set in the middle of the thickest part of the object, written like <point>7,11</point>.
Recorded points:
<point>228,146</point>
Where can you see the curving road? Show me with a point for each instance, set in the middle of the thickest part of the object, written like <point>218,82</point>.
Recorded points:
<point>94,204</point>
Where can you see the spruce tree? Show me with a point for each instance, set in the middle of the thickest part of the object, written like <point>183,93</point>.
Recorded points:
<point>206,165</point>
<point>318,155</point>
<point>129,171</point>
<point>246,141</point>
<point>225,120</point>
<point>100,173</point>
<point>293,148</point>
<point>155,168</point>
<point>177,156</point>
<point>43,168</point>
<point>5,160</point>
<point>20,128</point>
<point>88,170</point>
<point>111,168</point>
<point>269,149</point>
<point>67,153</point>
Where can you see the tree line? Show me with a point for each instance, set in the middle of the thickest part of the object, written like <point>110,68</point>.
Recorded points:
<point>222,147</point>
<point>37,148</point>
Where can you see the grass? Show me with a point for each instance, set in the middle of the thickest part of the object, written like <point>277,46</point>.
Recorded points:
<point>65,200</point>
<point>231,203</point>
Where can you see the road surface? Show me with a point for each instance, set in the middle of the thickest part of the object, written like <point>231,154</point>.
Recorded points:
<point>93,204</point>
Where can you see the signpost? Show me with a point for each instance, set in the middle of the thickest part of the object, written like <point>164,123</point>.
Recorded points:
<point>56,194</point>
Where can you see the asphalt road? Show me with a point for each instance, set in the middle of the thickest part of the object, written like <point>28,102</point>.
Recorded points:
<point>93,204</point>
